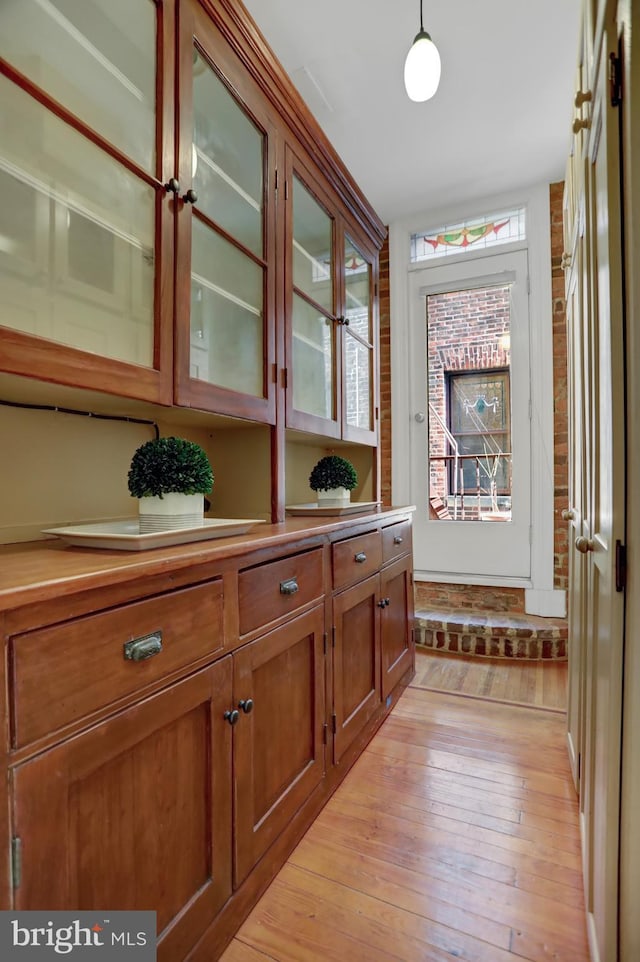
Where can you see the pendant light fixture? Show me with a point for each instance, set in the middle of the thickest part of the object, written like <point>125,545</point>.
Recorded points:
<point>422,66</point>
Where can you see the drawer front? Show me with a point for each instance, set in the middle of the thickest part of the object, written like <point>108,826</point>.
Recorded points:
<point>277,588</point>
<point>67,671</point>
<point>356,558</point>
<point>396,540</point>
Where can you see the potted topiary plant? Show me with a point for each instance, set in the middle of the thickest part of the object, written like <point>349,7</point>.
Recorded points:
<point>333,478</point>
<point>170,477</point>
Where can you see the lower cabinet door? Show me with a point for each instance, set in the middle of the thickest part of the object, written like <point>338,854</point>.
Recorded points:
<point>135,813</point>
<point>356,661</point>
<point>278,684</point>
<point>396,623</point>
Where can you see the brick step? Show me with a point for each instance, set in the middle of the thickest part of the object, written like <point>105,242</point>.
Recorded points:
<point>492,634</point>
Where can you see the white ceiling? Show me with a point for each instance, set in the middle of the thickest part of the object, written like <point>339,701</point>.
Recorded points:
<point>499,121</point>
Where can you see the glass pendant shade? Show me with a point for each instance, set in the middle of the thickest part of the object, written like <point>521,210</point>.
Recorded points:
<point>422,68</point>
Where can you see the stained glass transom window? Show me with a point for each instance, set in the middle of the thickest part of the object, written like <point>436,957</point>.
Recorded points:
<point>477,233</point>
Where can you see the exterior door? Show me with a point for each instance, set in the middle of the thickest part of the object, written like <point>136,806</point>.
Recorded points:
<point>471,437</point>
<point>600,788</point>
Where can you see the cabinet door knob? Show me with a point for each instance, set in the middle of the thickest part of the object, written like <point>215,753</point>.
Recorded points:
<point>172,186</point>
<point>579,125</point>
<point>360,557</point>
<point>584,545</point>
<point>568,514</point>
<point>397,539</point>
<point>384,603</point>
<point>190,197</point>
<point>289,587</point>
<point>232,716</point>
<point>582,96</point>
<point>246,705</point>
<point>139,649</point>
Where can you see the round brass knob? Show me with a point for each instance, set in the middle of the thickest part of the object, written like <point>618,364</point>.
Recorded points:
<point>584,545</point>
<point>568,514</point>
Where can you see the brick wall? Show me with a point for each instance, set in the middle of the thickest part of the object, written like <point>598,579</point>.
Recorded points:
<point>498,599</point>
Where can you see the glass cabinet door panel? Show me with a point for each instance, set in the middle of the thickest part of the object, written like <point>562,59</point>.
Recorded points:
<point>312,248</point>
<point>97,59</point>
<point>357,280</point>
<point>358,339</point>
<point>313,360</point>
<point>358,383</point>
<point>227,327</point>
<point>227,159</point>
<point>77,237</point>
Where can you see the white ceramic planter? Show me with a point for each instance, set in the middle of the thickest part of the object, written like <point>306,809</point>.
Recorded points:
<point>333,497</point>
<point>170,512</point>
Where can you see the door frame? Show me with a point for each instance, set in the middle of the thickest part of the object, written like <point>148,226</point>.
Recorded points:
<point>540,595</point>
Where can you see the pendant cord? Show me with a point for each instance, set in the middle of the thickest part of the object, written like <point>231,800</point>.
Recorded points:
<point>421,27</point>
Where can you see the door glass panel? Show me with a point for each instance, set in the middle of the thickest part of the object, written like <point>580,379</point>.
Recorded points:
<point>312,248</point>
<point>97,59</point>
<point>227,159</point>
<point>357,279</point>
<point>468,347</point>
<point>358,361</point>
<point>313,352</point>
<point>76,237</point>
<point>227,329</point>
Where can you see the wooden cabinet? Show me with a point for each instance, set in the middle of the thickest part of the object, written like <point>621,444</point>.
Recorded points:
<point>331,332</point>
<point>373,644</point>
<point>278,741</point>
<point>135,813</point>
<point>169,738</point>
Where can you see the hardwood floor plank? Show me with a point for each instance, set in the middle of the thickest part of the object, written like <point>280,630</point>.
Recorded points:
<point>455,835</point>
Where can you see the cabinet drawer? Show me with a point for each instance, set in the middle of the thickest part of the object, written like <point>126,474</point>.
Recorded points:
<point>356,558</point>
<point>396,540</point>
<point>67,671</point>
<point>274,589</point>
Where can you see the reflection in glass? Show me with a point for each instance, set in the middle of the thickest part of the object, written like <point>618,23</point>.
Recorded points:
<point>95,58</point>
<point>312,360</point>
<point>312,248</point>
<point>357,279</point>
<point>226,314</point>
<point>76,237</point>
<point>358,393</point>
<point>227,162</point>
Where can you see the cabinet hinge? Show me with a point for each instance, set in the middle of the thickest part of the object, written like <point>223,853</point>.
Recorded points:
<point>324,642</point>
<point>16,861</point>
<point>615,80</point>
<point>275,373</point>
<point>286,190</point>
<point>325,729</point>
<point>334,724</point>
<point>333,636</point>
<point>275,185</point>
<point>579,765</point>
<point>284,378</point>
<point>377,415</point>
<point>621,566</point>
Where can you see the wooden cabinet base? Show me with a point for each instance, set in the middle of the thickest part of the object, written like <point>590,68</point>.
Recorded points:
<point>230,918</point>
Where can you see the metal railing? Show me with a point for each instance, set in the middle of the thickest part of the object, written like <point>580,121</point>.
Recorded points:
<point>482,499</point>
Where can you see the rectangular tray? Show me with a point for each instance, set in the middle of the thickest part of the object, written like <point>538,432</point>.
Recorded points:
<point>354,507</point>
<point>125,535</point>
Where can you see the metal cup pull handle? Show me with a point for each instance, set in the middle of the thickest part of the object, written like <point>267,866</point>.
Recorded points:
<point>139,649</point>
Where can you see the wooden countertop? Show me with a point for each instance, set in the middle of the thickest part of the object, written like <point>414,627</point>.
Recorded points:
<point>36,571</point>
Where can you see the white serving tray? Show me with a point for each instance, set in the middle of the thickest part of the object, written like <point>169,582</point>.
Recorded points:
<point>353,507</point>
<point>125,535</point>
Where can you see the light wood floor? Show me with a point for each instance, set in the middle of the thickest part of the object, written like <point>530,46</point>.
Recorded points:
<point>455,835</point>
<point>539,683</point>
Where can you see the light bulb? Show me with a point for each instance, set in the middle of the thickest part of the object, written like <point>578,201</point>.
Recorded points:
<point>422,68</point>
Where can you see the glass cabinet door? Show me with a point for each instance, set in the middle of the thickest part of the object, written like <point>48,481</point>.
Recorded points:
<point>85,213</point>
<point>312,398</point>
<point>223,286</point>
<point>358,377</point>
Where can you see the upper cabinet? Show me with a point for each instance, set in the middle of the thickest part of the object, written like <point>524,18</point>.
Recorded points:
<point>331,333</point>
<point>87,226</point>
<point>175,226</point>
<point>225,265</point>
